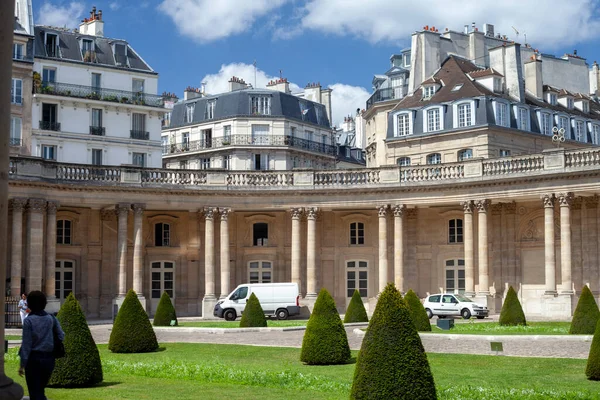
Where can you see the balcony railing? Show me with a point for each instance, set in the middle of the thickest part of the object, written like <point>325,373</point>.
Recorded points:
<point>251,140</point>
<point>17,142</point>
<point>97,130</point>
<point>50,126</point>
<point>140,135</point>
<point>382,95</point>
<point>101,94</point>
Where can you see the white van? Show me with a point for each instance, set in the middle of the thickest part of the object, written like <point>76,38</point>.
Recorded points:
<point>279,300</point>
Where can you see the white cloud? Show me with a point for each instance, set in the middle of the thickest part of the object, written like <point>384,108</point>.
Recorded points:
<point>208,20</point>
<point>60,14</point>
<point>114,6</point>
<point>345,99</point>
<point>550,23</point>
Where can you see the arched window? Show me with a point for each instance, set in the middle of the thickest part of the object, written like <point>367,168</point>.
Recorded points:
<point>455,231</point>
<point>63,231</point>
<point>455,276</point>
<point>162,234</point>
<point>260,235</point>
<point>465,154</point>
<point>403,161</point>
<point>357,233</point>
<point>434,158</point>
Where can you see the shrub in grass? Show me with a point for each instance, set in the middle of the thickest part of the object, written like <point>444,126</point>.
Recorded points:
<point>81,365</point>
<point>586,314</point>
<point>592,370</point>
<point>512,312</point>
<point>165,312</point>
<point>325,341</point>
<point>253,314</point>
<point>417,312</point>
<point>132,331</point>
<point>392,363</point>
<point>356,310</point>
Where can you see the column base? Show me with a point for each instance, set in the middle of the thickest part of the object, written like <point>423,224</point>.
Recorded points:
<point>9,390</point>
<point>116,306</point>
<point>567,292</point>
<point>208,307</point>
<point>557,306</point>
<point>550,293</point>
<point>469,294</point>
<point>308,302</point>
<point>53,305</point>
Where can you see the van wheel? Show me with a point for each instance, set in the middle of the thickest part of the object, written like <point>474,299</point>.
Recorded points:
<point>282,313</point>
<point>429,313</point>
<point>229,315</point>
<point>465,313</point>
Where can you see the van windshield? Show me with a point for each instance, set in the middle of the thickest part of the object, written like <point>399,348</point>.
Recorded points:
<point>240,293</point>
<point>462,298</point>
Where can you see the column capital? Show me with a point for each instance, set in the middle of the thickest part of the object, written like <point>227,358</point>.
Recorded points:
<point>36,205</point>
<point>296,212</point>
<point>467,206</point>
<point>17,204</point>
<point>399,210</point>
<point>224,213</point>
<point>51,207</point>
<point>565,199</point>
<point>209,213</point>
<point>382,210</point>
<point>122,208</point>
<point>482,205</point>
<point>312,212</point>
<point>138,208</point>
<point>548,200</point>
<point>497,208</point>
<point>510,208</point>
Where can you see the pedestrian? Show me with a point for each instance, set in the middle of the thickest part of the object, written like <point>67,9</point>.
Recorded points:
<point>37,359</point>
<point>23,308</point>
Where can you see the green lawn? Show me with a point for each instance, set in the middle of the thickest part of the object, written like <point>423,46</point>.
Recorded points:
<point>192,371</point>
<point>12,337</point>
<point>271,323</point>
<point>493,328</point>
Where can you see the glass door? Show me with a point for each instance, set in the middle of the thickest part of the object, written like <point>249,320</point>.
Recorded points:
<point>162,280</point>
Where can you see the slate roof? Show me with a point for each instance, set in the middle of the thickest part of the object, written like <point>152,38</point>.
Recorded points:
<point>238,104</point>
<point>70,49</point>
<point>485,72</point>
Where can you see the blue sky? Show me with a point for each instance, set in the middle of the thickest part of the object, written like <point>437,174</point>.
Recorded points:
<point>339,43</point>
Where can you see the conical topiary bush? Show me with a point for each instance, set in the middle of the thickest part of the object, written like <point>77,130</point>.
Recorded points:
<point>81,365</point>
<point>512,312</point>
<point>253,315</point>
<point>356,310</point>
<point>132,331</point>
<point>417,312</point>
<point>586,314</point>
<point>592,370</point>
<point>392,363</point>
<point>325,341</point>
<point>165,312</point>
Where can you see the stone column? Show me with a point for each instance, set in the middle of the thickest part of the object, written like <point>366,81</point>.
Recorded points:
<point>16,260</point>
<point>209,300</point>
<point>383,254</point>
<point>311,249</point>
<point>35,244</point>
<point>138,252</point>
<point>399,247</point>
<point>122,215</point>
<point>483,252</point>
<point>550,261</point>
<point>225,273</point>
<point>565,200</point>
<point>468,244</point>
<point>296,214</point>
<point>50,281</point>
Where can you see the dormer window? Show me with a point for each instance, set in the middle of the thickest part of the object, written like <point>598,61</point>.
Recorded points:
<point>120,51</point>
<point>570,103</point>
<point>88,50</point>
<point>552,98</point>
<point>585,106</point>
<point>428,92</point>
<point>210,109</point>
<point>464,114</point>
<point>189,112</point>
<point>433,119</point>
<point>260,105</point>
<point>403,124</point>
<point>523,118</point>
<point>497,85</point>
<point>52,45</point>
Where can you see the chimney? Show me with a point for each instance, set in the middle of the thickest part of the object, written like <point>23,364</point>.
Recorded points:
<point>507,60</point>
<point>281,85</point>
<point>94,25</point>
<point>191,93</point>
<point>533,77</point>
<point>595,80</point>
<point>236,83</point>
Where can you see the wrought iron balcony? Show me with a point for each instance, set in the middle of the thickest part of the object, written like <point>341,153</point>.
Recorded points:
<point>251,140</point>
<point>382,95</point>
<point>140,135</point>
<point>50,126</point>
<point>97,130</point>
<point>101,94</point>
<point>17,142</point>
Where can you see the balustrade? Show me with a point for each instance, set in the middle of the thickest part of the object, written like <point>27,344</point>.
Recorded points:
<point>511,165</point>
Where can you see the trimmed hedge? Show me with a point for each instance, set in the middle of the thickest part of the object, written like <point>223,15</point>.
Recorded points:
<point>392,363</point>
<point>586,314</point>
<point>356,310</point>
<point>132,331</point>
<point>512,313</point>
<point>325,341</point>
<point>592,369</point>
<point>165,312</point>
<point>417,312</point>
<point>81,365</point>
<point>253,315</point>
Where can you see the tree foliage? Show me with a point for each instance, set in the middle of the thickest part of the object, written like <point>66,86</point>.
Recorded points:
<point>417,312</point>
<point>356,310</point>
<point>253,315</point>
<point>132,331</point>
<point>586,314</point>
<point>512,312</point>
<point>165,312</point>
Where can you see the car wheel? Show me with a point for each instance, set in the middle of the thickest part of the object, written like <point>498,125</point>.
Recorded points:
<point>282,313</point>
<point>230,315</point>
<point>429,313</point>
<point>480,317</point>
<point>465,313</point>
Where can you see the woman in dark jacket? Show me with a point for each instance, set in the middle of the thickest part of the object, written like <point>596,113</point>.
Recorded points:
<point>37,360</point>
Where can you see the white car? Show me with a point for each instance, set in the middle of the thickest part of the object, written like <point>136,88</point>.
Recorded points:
<point>446,305</point>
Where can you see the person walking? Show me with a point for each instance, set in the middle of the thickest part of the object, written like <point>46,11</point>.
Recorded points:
<point>37,359</point>
<point>23,308</point>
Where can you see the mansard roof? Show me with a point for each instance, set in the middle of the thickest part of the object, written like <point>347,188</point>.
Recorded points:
<point>238,104</point>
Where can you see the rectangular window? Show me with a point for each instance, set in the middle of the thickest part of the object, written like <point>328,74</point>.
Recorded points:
<point>52,45</point>
<point>580,132</point>
<point>16,127</point>
<point>96,118</point>
<point>205,163</point>
<point>570,103</point>
<point>97,156</point>
<point>137,86</point>
<point>404,125</point>
<point>546,125</point>
<point>455,231</point>
<point>523,119</point>
<point>227,134</point>
<point>18,53</point>
<point>210,109</point>
<point>48,75</point>
<point>63,231</point>
<point>162,234</point>
<point>357,233</point>
<point>226,162</point>
<point>596,134</point>
<point>138,126</point>
<point>49,152</point>
<point>16,91</point>
<point>88,50</point>
<point>260,134</point>
<point>504,153</point>
<point>49,117</point>
<point>357,278</point>
<point>464,115</point>
<point>428,92</point>
<point>261,162</point>
<point>138,159</point>
<point>183,164</point>
<point>585,106</point>
<point>120,55</point>
<point>260,105</point>
<point>189,112</point>
<point>497,85</point>
<point>465,154</point>
<point>96,81</point>
<point>433,120</point>
<point>502,114</point>
<point>553,99</point>
<point>563,122</point>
